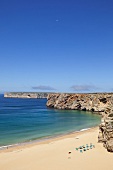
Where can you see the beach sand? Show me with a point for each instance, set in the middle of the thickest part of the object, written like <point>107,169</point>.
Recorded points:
<point>53,154</point>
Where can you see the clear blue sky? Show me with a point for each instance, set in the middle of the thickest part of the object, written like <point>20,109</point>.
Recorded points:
<point>60,45</point>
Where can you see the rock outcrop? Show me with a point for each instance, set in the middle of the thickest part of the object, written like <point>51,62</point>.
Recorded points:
<point>26,95</point>
<point>106,127</point>
<point>99,102</point>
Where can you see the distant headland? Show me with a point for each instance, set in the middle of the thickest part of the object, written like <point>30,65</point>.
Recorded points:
<point>26,94</point>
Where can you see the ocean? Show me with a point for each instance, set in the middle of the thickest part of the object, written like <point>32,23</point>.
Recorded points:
<point>24,120</point>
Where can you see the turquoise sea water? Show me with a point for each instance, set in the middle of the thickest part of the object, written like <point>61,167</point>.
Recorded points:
<point>23,120</point>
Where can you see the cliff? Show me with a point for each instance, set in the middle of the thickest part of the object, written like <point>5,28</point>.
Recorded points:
<point>106,127</point>
<point>26,95</point>
<point>98,102</point>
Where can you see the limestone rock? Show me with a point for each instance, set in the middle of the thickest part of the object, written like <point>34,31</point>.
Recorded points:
<point>106,127</point>
<point>109,145</point>
<point>97,102</point>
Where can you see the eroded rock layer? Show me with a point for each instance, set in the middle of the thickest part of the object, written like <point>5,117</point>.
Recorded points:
<point>97,102</point>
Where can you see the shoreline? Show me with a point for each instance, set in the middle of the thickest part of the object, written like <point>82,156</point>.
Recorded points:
<point>59,153</point>
<point>31,143</point>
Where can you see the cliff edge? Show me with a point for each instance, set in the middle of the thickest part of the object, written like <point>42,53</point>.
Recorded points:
<point>96,102</point>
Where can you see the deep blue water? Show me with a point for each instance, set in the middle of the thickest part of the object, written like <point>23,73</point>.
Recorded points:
<point>23,120</point>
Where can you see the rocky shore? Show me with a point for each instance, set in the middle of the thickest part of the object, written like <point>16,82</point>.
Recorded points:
<point>26,95</point>
<point>102,103</point>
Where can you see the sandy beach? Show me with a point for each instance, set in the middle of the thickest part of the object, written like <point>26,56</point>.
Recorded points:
<point>53,154</point>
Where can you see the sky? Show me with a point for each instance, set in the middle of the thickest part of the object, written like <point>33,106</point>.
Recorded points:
<point>57,46</point>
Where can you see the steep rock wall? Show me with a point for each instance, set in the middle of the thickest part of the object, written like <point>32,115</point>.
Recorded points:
<point>97,102</point>
<point>106,127</point>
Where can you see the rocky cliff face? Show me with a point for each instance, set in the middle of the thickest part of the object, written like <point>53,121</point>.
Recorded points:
<point>100,102</point>
<point>26,95</point>
<point>92,102</point>
<point>106,127</point>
